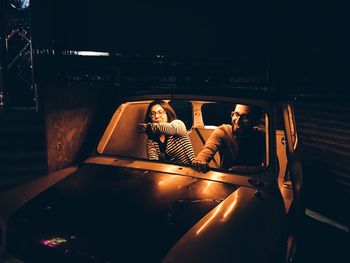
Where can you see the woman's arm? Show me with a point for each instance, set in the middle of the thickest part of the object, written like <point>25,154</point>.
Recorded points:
<point>176,127</point>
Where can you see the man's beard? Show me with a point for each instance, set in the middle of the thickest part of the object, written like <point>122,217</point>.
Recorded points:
<point>239,130</point>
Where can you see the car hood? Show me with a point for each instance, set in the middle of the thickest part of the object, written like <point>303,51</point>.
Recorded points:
<point>102,213</point>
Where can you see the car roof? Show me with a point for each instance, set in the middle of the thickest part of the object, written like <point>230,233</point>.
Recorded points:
<point>251,92</point>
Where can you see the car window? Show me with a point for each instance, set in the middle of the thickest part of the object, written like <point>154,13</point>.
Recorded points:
<point>213,113</point>
<point>123,139</point>
<point>183,111</point>
<point>216,114</point>
<point>221,114</point>
<point>279,118</point>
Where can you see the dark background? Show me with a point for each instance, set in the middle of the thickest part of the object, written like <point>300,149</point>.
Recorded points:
<point>299,42</point>
<point>178,29</point>
<point>297,47</point>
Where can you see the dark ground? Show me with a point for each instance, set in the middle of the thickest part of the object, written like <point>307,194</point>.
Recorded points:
<point>322,243</point>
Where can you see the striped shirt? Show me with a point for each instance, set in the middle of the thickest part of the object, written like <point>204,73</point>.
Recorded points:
<point>177,147</point>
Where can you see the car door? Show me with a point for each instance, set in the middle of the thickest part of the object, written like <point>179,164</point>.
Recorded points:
<point>295,174</point>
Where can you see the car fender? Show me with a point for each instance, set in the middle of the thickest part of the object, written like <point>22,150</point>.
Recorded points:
<point>245,220</point>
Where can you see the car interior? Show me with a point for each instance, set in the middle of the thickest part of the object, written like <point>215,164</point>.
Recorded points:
<point>200,117</point>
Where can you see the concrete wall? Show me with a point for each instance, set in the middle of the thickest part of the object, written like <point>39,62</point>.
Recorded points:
<point>75,116</point>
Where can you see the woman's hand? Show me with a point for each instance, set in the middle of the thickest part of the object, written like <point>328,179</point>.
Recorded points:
<point>141,127</point>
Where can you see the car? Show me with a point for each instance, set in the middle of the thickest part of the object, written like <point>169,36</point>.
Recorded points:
<point>119,206</point>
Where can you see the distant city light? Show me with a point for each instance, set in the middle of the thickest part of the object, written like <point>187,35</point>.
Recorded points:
<point>54,242</point>
<point>20,4</point>
<point>92,53</point>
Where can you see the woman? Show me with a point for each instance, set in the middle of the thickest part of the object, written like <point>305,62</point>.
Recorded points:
<point>167,137</point>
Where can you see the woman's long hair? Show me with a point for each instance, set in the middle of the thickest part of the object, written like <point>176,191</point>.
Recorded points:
<point>167,108</point>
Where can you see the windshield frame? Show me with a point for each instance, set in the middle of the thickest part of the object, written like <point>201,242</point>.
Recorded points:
<point>264,173</point>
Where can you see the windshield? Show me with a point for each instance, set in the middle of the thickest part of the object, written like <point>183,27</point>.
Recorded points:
<point>217,135</point>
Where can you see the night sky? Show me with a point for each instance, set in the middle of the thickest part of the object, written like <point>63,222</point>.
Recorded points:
<point>183,29</point>
<point>304,40</point>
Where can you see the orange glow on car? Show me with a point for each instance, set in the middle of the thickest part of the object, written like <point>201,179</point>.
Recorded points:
<point>166,181</point>
<point>218,208</point>
<point>231,206</point>
<point>225,209</point>
<point>169,184</point>
<point>210,183</point>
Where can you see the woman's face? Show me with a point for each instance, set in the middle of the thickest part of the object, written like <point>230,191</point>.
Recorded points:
<point>158,114</point>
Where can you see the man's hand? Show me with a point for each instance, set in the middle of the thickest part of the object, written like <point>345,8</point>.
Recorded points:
<point>141,127</point>
<point>200,166</point>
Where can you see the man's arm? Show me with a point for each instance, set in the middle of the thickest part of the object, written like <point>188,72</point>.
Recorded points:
<point>209,150</point>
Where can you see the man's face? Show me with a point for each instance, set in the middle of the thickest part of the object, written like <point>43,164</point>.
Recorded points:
<point>241,119</point>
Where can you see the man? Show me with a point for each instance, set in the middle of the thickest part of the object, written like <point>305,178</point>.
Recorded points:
<point>239,144</point>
